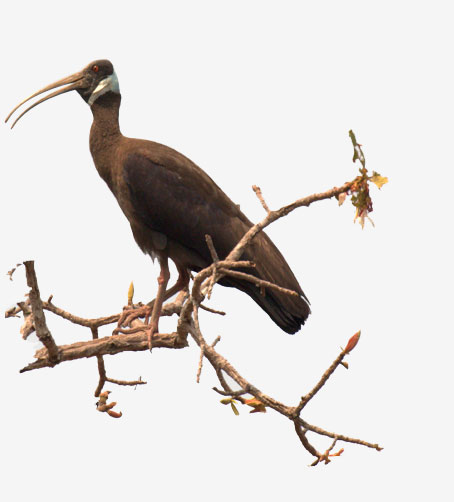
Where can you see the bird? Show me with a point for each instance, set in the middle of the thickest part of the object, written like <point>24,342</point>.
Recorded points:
<point>172,204</point>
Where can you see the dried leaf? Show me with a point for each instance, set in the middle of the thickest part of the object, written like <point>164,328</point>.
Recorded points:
<point>258,406</point>
<point>344,364</point>
<point>352,342</point>
<point>341,198</point>
<point>105,407</point>
<point>378,180</point>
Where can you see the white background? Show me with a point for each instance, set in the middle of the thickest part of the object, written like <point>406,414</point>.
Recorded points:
<point>255,93</point>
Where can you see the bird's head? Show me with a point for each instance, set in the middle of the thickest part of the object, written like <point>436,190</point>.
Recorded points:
<point>93,81</point>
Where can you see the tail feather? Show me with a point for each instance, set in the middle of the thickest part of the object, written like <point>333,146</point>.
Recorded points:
<point>289,312</point>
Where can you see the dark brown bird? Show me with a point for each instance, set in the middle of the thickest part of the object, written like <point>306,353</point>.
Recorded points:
<point>172,204</point>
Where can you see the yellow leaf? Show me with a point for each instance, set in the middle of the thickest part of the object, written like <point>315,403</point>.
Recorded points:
<point>130,293</point>
<point>234,408</point>
<point>378,180</point>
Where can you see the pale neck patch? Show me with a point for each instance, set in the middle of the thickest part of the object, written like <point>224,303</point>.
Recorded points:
<point>109,83</point>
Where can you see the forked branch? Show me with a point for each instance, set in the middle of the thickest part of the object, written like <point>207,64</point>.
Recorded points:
<point>186,307</point>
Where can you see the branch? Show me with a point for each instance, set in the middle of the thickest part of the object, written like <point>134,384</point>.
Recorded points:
<point>42,330</point>
<point>272,216</point>
<point>107,345</point>
<point>186,306</point>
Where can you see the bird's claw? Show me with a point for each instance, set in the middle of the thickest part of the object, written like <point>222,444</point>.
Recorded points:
<point>132,313</point>
<point>128,315</point>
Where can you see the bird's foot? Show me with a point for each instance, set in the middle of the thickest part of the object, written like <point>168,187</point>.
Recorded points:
<point>130,314</point>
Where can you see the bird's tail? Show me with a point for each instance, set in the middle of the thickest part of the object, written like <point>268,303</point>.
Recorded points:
<point>289,312</point>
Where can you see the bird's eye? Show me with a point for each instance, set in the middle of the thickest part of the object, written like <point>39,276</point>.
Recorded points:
<point>95,68</point>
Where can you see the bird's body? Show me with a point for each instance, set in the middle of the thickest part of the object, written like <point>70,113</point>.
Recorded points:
<point>172,205</point>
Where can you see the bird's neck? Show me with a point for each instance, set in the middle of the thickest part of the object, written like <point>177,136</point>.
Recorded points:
<point>105,116</point>
<point>105,134</point>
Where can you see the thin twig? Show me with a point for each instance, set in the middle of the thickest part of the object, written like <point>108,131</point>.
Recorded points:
<point>258,282</point>
<point>101,366</point>
<point>272,216</point>
<point>305,399</point>
<point>258,192</point>
<point>213,311</point>
<point>232,393</point>
<point>131,383</point>
<point>209,241</point>
<point>305,442</point>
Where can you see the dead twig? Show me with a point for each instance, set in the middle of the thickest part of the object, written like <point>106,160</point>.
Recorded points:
<point>258,192</point>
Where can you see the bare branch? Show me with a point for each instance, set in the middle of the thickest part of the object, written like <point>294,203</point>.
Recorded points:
<point>36,303</point>
<point>98,322</point>
<point>107,345</point>
<point>272,216</point>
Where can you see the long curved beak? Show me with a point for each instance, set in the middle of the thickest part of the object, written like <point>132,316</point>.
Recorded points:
<point>72,82</point>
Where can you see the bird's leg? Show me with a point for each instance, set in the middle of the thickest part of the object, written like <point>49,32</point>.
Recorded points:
<point>182,283</point>
<point>129,314</point>
<point>163,280</point>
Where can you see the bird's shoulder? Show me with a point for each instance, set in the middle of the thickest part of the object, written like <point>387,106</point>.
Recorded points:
<point>159,167</point>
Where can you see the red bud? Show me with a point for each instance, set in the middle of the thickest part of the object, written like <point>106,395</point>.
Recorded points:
<point>352,342</point>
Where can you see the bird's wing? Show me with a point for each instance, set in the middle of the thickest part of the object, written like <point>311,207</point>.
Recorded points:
<point>172,196</point>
